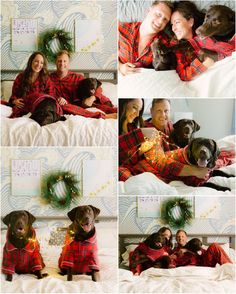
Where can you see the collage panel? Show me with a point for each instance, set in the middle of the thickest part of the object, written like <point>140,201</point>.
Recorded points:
<point>175,244</point>
<point>176,49</point>
<point>57,213</point>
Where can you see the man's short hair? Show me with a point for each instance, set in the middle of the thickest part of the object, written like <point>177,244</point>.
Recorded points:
<point>167,3</point>
<point>158,100</point>
<point>60,53</point>
<point>181,231</point>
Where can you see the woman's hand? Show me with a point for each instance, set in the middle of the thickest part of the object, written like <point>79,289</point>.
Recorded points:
<point>208,62</point>
<point>191,170</point>
<point>62,101</point>
<point>111,115</point>
<point>19,103</point>
<point>128,68</point>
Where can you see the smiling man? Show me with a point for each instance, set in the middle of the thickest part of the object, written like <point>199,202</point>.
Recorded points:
<point>135,38</point>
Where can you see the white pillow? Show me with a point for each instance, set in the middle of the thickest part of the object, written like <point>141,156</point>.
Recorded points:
<point>125,255</point>
<point>147,184</point>
<point>5,110</point>
<point>106,235</point>
<point>110,91</point>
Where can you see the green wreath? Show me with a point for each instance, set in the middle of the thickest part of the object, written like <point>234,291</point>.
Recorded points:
<point>46,38</point>
<point>176,212</point>
<point>49,189</point>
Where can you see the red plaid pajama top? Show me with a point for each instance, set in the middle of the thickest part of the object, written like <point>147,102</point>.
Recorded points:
<point>23,260</point>
<point>128,45</point>
<point>81,256</point>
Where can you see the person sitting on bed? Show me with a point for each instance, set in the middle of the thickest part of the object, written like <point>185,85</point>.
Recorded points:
<point>185,19</point>
<point>194,254</point>
<point>135,38</point>
<point>34,79</point>
<point>134,141</point>
<point>166,232</point>
<point>181,239</point>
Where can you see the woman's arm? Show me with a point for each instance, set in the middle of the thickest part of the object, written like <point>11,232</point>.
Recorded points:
<point>15,99</point>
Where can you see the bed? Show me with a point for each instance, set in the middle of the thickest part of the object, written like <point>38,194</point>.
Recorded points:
<point>189,279</point>
<point>75,131</point>
<point>51,245</point>
<point>217,81</point>
<point>148,184</point>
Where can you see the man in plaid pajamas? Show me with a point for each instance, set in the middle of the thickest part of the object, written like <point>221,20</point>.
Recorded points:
<point>135,38</point>
<point>22,260</point>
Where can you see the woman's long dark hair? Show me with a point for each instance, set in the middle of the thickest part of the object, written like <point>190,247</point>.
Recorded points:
<point>27,73</point>
<point>189,10</point>
<point>138,121</point>
<point>162,230</point>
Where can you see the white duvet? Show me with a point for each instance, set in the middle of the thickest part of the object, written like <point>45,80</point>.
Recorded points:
<point>218,81</point>
<point>189,279</point>
<point>75,131</point>
<point>148,184</point>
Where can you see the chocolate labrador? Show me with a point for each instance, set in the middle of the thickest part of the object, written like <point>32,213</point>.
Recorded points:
<point>79,255</point>
<point>183,133</point>
<point>21,251</point>
<point>87,88</point>
<point>46,112</point>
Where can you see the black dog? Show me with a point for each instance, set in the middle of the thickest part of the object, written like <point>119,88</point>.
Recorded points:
<point>183,132</point>
<point>219,23</point>
<point>141,258</point>
<point>21,251</point>
<point>204,153</point>
<point>46,112</point>
<point>87,88</point>
<point>80,256</point>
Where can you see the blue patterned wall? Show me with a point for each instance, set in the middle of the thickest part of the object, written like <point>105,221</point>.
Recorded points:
<point>53,159</point>
<point>62,14</point>
<point>130,223</point>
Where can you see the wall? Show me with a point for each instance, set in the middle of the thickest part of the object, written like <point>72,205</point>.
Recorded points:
<point>62,14</point>
<point>53,159</point>
<point>130,223</point>
<point>215,116</point>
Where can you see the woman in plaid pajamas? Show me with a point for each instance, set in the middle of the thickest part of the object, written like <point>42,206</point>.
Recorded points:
<point>185,19</point>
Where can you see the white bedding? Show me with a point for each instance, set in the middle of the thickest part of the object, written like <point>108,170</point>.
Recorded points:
<point>148,184</point>
<point>55,283</point>
<point>187,279</point>
<point>217,81</point>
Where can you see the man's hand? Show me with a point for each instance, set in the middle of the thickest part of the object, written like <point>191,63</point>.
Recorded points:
<point>62,101</point>
<point>111,115</point>
<point>19,103</point>
<point>89,101</point>
<point>128,68</point>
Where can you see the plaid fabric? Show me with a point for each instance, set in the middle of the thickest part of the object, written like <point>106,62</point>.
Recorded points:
<point>124,173</point>
<point>185,259</point>
<point>81,256</point>
<point>35,87</point>
<point>144,251</point>
<point>105,108</point>
<point>225,158</point>
<point>128,45</point>
<point>213,255</point>
<point>23,260</point>
<point>66,87</point>
<point>224,49</point>
<point>77,110</point>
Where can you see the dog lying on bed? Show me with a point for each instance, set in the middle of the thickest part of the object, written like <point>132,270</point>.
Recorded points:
<point>21,252</point>
<point>219,23</point>
<point>183,133</point>
<point>79,254</point>
<point>149,253</point>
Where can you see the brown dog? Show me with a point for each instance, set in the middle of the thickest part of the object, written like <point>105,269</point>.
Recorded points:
<point>21,251</point>
<point>79,254</point>
<point>183,132</point>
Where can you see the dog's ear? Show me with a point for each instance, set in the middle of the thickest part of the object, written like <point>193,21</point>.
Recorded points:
<point>71,214</point>
<point>32,218</point>
<point>196,126</point>
<point>99,83</point>
<point>96,210</point>
<point>7,219</point>
<point>215,154</point>
<point>176,125</point>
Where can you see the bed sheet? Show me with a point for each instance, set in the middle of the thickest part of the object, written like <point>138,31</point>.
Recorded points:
<point>148,184</point>
<point>217,81</point>
<point>180,280</point>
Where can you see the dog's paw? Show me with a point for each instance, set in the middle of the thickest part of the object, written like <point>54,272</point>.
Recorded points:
<point>95,276</point>
<point>9,278</point>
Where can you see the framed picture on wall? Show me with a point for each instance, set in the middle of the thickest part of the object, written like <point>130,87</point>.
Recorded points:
<point>24,34</point>
<point>148,206</point>
<point>25,177</point>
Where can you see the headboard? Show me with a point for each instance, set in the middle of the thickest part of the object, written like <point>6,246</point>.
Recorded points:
<point>128,239</point>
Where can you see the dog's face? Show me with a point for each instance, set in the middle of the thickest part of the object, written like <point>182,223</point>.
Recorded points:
<point>83,218</point>
<point>19,222</point>
<point>87,87</point>
<point>203,152</point>
<point>184,130</point>
<point>46,113</point>
<point>155,241</point>
<point>219,21</point>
